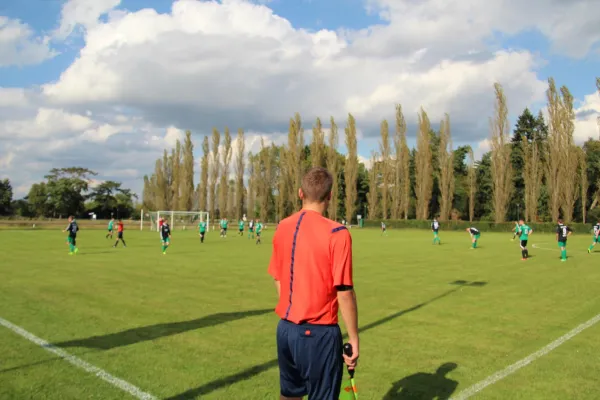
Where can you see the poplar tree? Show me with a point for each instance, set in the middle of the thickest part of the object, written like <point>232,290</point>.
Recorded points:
<point>373,195</point>
<point>402,164</point>
<point>214,171</point>
<point>532,177</point>
<point>176,175</point>
<point>472,184</point>
<point>423,167</point>
<point>351,168</point>
<point>570,159</point>
<point>239,174</point>
<point>385,172</point>
<point>317,150</point>
<point>204,166</point>
<point>583,179</point>
<point>501,167</point>
<point>333,167</point>
<point>224,183</point>
<point>553,166</point>
<point>446,163</point>
<point>187,176</point>
<point>251,195</point>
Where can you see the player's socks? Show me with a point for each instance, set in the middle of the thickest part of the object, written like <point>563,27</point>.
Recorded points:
<point>563,254</point>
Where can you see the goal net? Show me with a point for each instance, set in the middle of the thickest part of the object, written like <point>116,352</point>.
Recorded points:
<point>178,220</point>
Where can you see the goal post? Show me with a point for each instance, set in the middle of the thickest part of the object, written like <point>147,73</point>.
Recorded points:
<point>178,220</point>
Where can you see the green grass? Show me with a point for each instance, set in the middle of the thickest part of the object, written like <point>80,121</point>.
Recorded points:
<point>198,322</point>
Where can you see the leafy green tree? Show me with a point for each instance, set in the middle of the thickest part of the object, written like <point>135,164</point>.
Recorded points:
<point>484,194</point>
<point>524,128</point>
<point>21,208</point>
<point>38,199</point>
<point>66,190</point>
<point>6,194</point>
<point>110,199</point>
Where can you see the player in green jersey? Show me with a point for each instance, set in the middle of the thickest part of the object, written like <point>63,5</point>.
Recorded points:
<point>475,234</point>
<point>72,228</point>
<point>251,229</point>
<point>110,228</point>
<point>516,231</point>
<point>562,233</point>
<point>224,225</point>
<point>524,232</point>
<point>165,236</point>
<point>202,230</point>
<point>435,228</point>
<point>596,237</point>
<point>259,228</point>
<point>241,227</point>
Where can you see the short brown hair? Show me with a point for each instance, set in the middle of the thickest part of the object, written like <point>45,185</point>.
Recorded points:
<point>316,184</point>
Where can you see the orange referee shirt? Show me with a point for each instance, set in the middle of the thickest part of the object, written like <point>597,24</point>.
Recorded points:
<point>312,255</point>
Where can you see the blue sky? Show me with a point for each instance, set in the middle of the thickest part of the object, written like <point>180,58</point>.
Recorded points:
<point>378,62</point>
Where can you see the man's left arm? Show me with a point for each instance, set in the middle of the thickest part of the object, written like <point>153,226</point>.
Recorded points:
<point>274,266</point>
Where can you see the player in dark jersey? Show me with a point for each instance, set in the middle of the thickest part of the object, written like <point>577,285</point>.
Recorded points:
<point>596,237</point>
<point>120,229</point>
<point>562,233</point>
<point>165,236</point>
<point>435,228</point>
<point>475,234</point>
<point>72,228</point>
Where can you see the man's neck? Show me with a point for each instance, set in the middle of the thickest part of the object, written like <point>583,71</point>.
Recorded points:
<point>317,207</point>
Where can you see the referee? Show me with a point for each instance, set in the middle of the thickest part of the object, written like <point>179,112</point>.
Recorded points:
<point>311,264</point>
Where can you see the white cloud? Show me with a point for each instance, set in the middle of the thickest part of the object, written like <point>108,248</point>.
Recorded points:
<point>587,124</point>
<point>143,77</point>
<point>19,44</point>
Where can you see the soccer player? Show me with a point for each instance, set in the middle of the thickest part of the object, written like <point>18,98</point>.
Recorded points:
<point>562,233</point>
<point>251,229</point>
<point>165,235</point>
<point>596,237</point>
<point>224,224</point>
<point>110,228</point>
<point>202,229</point>
<point>435,228</point>
<point>72,228</point>
<point>259,228</point>
<point>383,232</point>
<point>315,254</point>
<point>120,229</point>
<point>241,227</point>
<point>524,232</point>
<point>516,231</point>
<point>475,234</point>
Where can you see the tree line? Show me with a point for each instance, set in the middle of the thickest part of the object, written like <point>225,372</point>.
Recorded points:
<point>536,172</point>
<point>67,191</point>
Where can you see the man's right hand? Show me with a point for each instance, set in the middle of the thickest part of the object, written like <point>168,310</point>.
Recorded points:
<point>353,360</point>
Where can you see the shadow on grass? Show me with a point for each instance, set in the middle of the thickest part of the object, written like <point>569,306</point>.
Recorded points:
<point>260,368</point>
<point>152,332</point>
<point>424,385</point>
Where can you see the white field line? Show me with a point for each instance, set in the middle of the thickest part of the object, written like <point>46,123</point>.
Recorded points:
<point>511,369</point>
<point>78,362</point>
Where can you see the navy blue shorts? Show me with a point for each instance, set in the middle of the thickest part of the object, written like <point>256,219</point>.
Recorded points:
<point>310,360</point>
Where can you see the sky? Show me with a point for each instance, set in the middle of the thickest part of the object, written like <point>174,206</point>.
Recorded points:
<point>109,84</point>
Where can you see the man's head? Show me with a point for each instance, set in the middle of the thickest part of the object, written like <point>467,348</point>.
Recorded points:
<point>316,186</point>
<point>71,218</point>
<point>560,221</point>
<point>120,220</point>
<point>521,222</point>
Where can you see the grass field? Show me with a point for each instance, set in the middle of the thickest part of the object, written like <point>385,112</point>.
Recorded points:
<point>198,322</point>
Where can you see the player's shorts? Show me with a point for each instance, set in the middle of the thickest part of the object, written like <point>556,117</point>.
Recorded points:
<point>476,237</point>
<point>310,360</point>
<point>241,229</point>
<point>251,230</point>
<point>562,244</point>
<point>166,240</point>
<point>202,234</point>
<point>72,239</point>
<point>120,235</point>
<point>596,239</point>
<point>258,234</point>
<point>435,233</point>
<point>523,243</point>
<point>224,229</point>
<point>110,230</point>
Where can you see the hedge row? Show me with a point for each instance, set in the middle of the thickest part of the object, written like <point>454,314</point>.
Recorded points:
<point>483,226</point>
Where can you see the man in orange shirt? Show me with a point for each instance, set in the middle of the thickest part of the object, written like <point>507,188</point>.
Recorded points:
<point>120,233</point>
<point>312,267</point>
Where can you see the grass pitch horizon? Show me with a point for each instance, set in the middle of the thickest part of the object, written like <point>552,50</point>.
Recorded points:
<point>198,322</point>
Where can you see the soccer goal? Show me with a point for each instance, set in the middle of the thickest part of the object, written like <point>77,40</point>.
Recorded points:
<point>178,220</point>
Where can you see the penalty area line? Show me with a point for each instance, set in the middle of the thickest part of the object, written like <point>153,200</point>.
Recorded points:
<point>511,369</point>
<point>79,363</point>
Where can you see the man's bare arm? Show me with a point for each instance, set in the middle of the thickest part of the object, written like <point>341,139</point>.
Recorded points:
<point>278,287</point>
<point>349,309</point>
